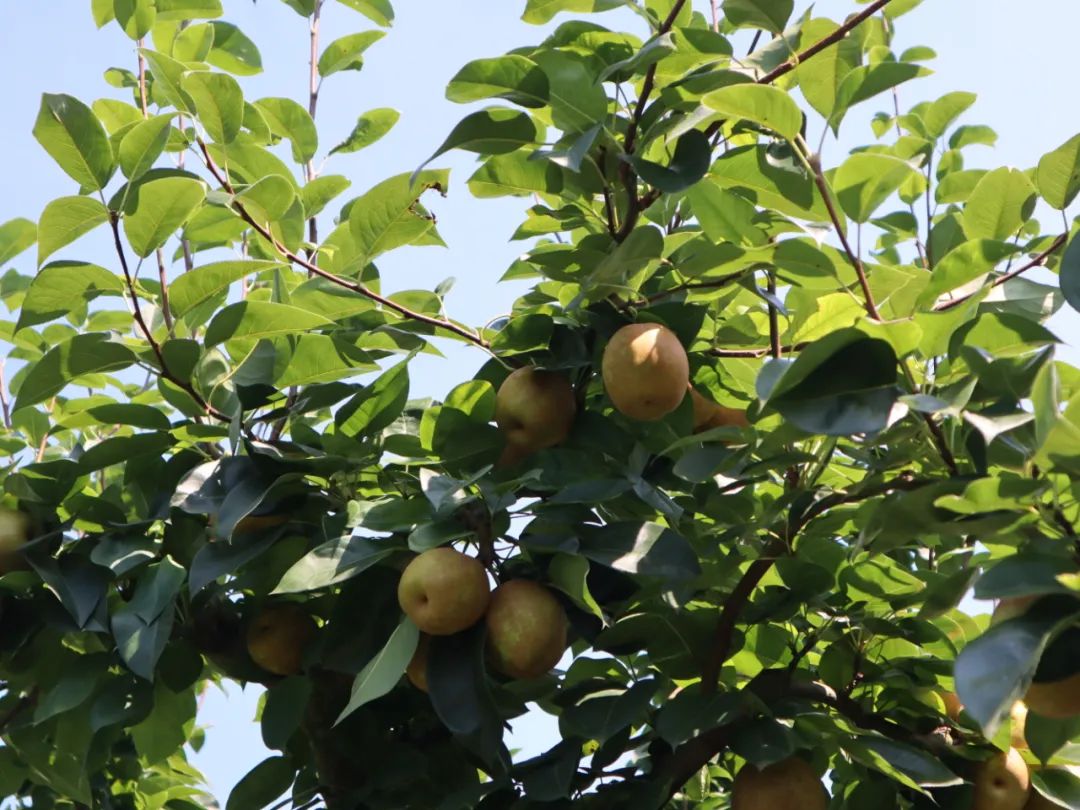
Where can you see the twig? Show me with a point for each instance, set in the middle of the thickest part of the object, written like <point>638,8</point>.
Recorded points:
<point>5,405</point>
<point>774,317</point>
<point>314,269</point>
<point>313,104</point>
<point>942,444</point>
<point>142,81</point>
<point>1038,261</point>
<point>911,205</point>
<point>785,349</point>
<point>929,212</point>
<point>163,279</point>
<point>715,15</point>
<point>723,281</point>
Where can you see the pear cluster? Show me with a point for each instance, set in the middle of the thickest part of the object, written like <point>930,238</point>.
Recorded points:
<point>444,592</point>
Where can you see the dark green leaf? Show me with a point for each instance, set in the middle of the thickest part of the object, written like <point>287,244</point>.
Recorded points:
<point>384,670</point>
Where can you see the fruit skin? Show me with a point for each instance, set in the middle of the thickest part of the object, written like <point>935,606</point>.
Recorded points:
<point>278,636</point>
<point>787,785</point>
<point>1018,721</point>
<point>708,415</point>
<point>416,671</point>
<point>534,409</point>
<point>1058,700</point>
<point>526,629</point>
<point>646,372</point>
<point>14,532</point>
<point>1001,782</point>
<point>953,706</point>
<point>444,591</point>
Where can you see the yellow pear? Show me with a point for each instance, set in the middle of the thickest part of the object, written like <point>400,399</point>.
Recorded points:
<point>646,372</point>
<point>1055,699</point>
<point>1017,722</point>
<point>416,671</point>
<point>526,629</point>
<point>444,591</point>
<point>708,414</point>
<point>1001,782</point>
<point>534,409</point>
<point>788,785</point>
<point>278,636</point>
<point>1010,608</point>
<point>953,706</point>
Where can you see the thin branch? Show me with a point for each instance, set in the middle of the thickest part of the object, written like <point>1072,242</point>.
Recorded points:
<point>163,279</point>
<point>774,318</point>
<point>1038,261</point>
<point>723,281</point>
<point>5,404</point>
<point>313,104</point>
<point>911,205</point>
<point>929,212</point>
<point>314,269</point>
<point>785,349</point>
<point>715,15</point>
<point>942,444</point>
<point>142,82</point>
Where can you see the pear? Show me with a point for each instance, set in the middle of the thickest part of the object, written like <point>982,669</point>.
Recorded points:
<point>416,671</point>
<point>14,532</point>
<point>278,636</point>
<point>1001,782</point>
<point>1017,721</point>
<point>787,785</point>
<point>1059,699</point>
<point>443,591</point>
<point>526,629</point>
<point>534,409</point>
<point>953,706</point>
<point>646,372</point>
<point>708,415</point>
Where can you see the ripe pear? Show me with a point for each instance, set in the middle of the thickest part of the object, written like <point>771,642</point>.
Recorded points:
<point>526,629</point>
<point>416,671</point>
<point>444,591</point>
<point>14,532</point>
<point>787,785</point>
<point>646,372</point>
<point>278,636</point>
<point>1001,782</point>
<point>534,409</point>
<point>707,414</point>
<point>1055,699</point>
<point>953,706</point>
<point>1017,721</point>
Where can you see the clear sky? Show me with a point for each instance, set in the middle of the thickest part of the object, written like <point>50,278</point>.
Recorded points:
<point>1017,57</point>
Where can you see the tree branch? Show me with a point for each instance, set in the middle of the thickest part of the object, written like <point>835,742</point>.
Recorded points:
<point>142,82</point>
<point>163,280</point>
<point>785,349</point>
<point>314,269</point>
<point>313,104</point>
<point>1038,261</point>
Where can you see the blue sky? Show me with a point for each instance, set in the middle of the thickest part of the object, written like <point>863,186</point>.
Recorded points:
<point>1015,56</point>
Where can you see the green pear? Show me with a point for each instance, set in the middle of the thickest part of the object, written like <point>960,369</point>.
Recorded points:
<point>526,629</point>
<point>534,409</point>
<point>444,591</point>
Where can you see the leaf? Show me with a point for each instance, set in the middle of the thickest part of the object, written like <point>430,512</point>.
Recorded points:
<point>646,549</point>
<point>384,670</point>
<point>263,784</point>
<point>386,217</point>
<point>73,136</point>
<point>286,704</point>
<point>316,194</point>
<point>346,53</point>
<point>143,145</point>
<point>179,10</point>
<point>1058,174</point>
<point>233,51</point>
<point>761,103</point>
<point>788,190</point>
<point>688,165</point>
<point>136,17</point>
<point>820,77</point>
<point>164,732</point>
<point>79,355</point>
<point>378,405</point>
<point>269,198</point>
<point>1001,202</point>
<point>921,768</point>
<point>193,44</point>
<point>494,131</point>
<point>370,127</point>
<point>513,77</point>
<point>379,12</point>
<point>288,119</point>
<point>539,12</point>
<point>963,265</point>
<point>251,320</point>
<point>333,562</point>
<point>16,235</point>
<point>66,219</point>
<point>142,627</point>
<point>770,15</point>
<point>569,573</point>
<point>942,113</point>
<point>160,209</point>
<point>1069,273</point>
<point>578,102</point>
<point>58,285</point>
<point>168,74</point>
<point>203,283</point>
<point>1058,784</point>
<point>221,558</point>
<point>219,103</point>
<point>865,180</point>
<point>867,81</point>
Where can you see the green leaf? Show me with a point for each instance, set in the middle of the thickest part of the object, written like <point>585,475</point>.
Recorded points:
<point>646,549</point>
<point>142,626</point>
<point>386,217</point>
<point>578,102</point>
<point>378,405</point>
<point>384,670</point>
<point>203,283</point>
<point>179,10</point>
<point>193,44</point>
<point>166,729</point>
<point>866,180</point>
<point>1058,174</point>
<point>143,145</point>
<point>268,199</point>
<point>161,208</point>
<point>16,235</point>
<point>333,562</point>
<point>1001,202</point>
<point>79,355</point>
<point>513,77</point>
<point>233,51</point>
<point>263,784</point>
<point>820,77</point>
<point>1057,784</point>
<point>963,265</point>
<point>539,12</point>
<point>283,713</point>
<point>319,192</point>
<point>761,103</point>
<point>73,136</point>
<point>688,165</point>
<point>219,103</point>
<point>252,320</point>
<point>168,75</point>
<point>288,119</point>
<point>102,11</point>
<point>56,286</point>
<point>941,114</point>
<point>136,17</point>
<point>867,81</point>
<point>370,127</point>
<point>66,219</point>
<point>569,573</point>
<point>379,12</point>
<point>770,15</point>
<point>787,189</point>
<point>346,53</point>
<point>494,131</point>
<point>1069,273</point>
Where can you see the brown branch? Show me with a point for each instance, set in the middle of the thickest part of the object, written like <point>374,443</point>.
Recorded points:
<point>723,281</point>
<point>941,443</point>
<point>144,327</point>
<point>313,104</point>
<point>1038,261</point>
<point>142,82</point>
<point>314,269</point>
<point>163,279</point>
